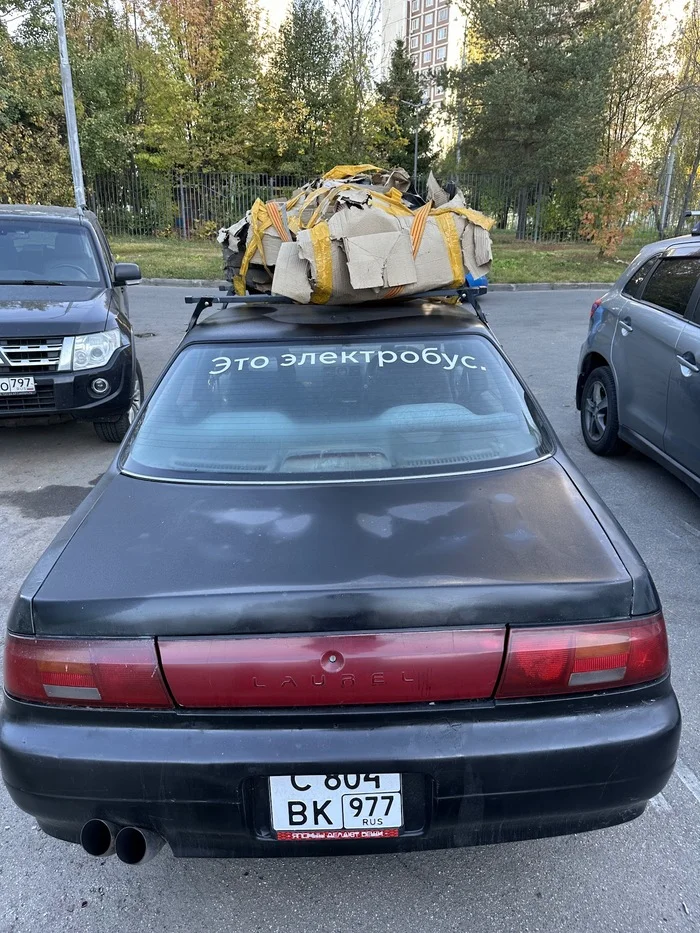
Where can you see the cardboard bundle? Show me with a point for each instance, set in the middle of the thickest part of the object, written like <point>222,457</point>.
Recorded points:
<point>357,234</point>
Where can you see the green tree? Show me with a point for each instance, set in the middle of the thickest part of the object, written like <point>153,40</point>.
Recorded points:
<point>402,93</point>
<point>101,49</point>
<point>641,80</point>
<point>106,84</point>
<point>356,120</point>
<point>531,98</point>
<point>229,130</point>
<point>33,161</point>
<point>675,148</point>
<point>201,76</point>
<point>304,91</point>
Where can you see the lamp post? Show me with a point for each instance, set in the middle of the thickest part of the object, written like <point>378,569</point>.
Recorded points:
<point>69,106</point>
<point>416,108</point>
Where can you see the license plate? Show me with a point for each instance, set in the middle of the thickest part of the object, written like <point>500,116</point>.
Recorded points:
<point>17,385</point>
<point>336,806</point>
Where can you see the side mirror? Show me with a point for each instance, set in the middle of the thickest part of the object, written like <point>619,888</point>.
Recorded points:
<point>126,272</point>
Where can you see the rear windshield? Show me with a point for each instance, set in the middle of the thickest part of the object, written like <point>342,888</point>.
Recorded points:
<point>37,252</point>
<point>335,411</point>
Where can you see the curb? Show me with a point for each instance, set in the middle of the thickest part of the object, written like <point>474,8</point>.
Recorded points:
<point>496,287</point>
<point>186,283</point>
<point>548,286</point>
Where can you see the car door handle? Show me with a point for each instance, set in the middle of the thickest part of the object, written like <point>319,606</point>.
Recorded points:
<point>687,361</point>
<point>626,323</point>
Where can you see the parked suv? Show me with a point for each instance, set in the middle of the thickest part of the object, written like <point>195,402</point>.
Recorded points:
<point>639,371</point>
<point>66,343</point>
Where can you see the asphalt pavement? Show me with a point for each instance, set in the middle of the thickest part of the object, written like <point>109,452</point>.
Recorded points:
<point>644,876</point>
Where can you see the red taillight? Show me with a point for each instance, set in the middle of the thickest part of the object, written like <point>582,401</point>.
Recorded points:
<point>400,667</point>
<point>578,658</point>
<point>594,307</point>
<point>112,672</point>
<point>333,670</point>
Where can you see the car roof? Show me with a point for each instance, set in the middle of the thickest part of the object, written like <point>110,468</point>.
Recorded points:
<point>273,322</point>
<point>677,245</point>
<point>687,240</point>
<point>49,211</point>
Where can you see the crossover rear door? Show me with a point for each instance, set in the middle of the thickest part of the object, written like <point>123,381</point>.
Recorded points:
<point>682,439</point>
<point>644,346</point>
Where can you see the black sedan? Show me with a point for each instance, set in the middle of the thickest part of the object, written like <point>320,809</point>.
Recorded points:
<point>341,591</point>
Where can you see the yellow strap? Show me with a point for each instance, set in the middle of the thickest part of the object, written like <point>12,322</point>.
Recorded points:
<point>391,205</point>
<point>275,215</point>
<point>420,219</point>
<point>418,226</point>
<point>347,171</point>
<point>259,223</point>
<point>321,242</point>
<point>292,202</point>
<point>447,227</point>
<point>476,217</point>
<point>308,201</point>
<point>331,195</point>
<point>239,280</point>
<point>311,197</point>
<point>394,194</point>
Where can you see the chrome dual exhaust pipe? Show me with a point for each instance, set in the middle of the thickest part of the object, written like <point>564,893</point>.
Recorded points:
<point>98,838</point>
<point>132,845</point>
<point>137,846</point>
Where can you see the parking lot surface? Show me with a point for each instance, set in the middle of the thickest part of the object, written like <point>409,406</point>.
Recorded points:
<point>644,876</point>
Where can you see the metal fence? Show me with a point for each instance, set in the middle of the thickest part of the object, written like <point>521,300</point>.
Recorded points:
<point>190,205</point>
<point>180,204</point>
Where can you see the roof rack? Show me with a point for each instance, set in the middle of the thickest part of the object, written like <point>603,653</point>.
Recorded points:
<point>469,294</point>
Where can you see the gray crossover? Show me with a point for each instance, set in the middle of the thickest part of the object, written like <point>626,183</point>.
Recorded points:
<point>639,370</point>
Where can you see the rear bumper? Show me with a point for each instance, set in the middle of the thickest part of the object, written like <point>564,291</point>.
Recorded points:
<point>471,776</point>
<point>69,393</point>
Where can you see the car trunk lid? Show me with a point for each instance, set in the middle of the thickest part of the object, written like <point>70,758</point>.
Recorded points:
<point>480,550</point>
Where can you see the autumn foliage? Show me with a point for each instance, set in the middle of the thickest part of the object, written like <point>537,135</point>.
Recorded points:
<point>615,192</point>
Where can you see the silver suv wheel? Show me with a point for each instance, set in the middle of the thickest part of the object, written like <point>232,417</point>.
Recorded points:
<point>596,410</point>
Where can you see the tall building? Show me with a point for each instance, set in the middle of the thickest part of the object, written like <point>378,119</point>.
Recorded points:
<point>434,32</point>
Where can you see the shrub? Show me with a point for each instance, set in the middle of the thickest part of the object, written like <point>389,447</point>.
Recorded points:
<point>614,191</point>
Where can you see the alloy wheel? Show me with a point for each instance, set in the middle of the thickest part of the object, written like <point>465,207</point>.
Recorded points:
<point>596,411</point>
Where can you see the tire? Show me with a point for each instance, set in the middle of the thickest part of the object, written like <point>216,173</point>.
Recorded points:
<point>114,432</point>
<point>599,420</point>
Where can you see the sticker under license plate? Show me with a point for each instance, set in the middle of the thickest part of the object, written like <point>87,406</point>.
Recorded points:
<point>17,385</point>
<point>336,806</point>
